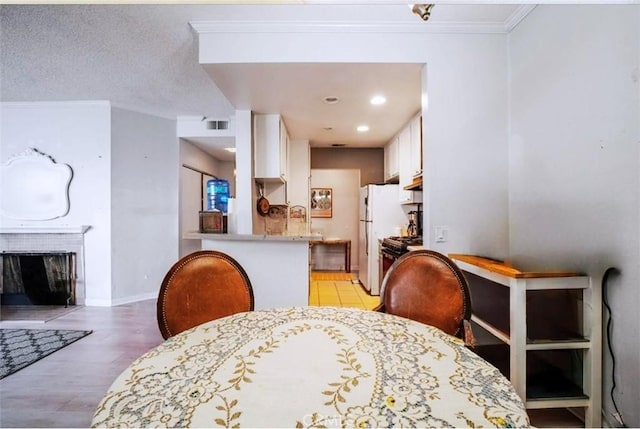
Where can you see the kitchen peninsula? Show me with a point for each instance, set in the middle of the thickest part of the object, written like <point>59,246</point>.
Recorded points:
<point>277,265</point>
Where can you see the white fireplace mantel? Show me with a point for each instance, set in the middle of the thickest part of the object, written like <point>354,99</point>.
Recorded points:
<point>79,229</point>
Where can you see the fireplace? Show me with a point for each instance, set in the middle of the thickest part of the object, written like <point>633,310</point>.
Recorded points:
<point>42,263</point>
<point>38,278</point>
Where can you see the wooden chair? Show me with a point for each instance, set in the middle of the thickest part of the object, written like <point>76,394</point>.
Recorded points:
<point>428,287</point>
<point>200,287</point>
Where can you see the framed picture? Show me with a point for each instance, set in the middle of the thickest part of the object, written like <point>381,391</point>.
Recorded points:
<point>321,202</point>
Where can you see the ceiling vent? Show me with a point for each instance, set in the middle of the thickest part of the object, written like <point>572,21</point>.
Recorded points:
<point>217,125</point>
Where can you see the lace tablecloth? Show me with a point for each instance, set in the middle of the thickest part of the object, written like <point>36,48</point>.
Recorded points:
<point>311,367</point>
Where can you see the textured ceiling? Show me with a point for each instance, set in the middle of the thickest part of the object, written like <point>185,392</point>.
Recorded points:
<point>139,57</point>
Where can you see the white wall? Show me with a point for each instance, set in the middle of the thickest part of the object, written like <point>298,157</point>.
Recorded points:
<point>77,134</point>
<point>465,145</point>
<point>574,162</point>
<point>144,203</point>
<point>125,186</point>
<point>343,224</point>
<point>245,190</point>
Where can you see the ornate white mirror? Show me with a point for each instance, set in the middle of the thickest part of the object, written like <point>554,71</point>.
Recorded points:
<point>34,187</point>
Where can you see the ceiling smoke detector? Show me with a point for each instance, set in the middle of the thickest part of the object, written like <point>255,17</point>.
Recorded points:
<point>423,10</point>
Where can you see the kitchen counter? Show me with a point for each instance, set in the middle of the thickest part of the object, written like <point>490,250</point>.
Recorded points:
<point>419,247</point>
<point>277,265</point>
<point>249,237</point>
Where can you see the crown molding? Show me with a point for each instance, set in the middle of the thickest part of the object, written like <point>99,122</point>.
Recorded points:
<point>317,26</point>
<point>517,16</point>
<point>209,27</point>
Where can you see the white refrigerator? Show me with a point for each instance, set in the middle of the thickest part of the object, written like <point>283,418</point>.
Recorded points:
<point>380,215</point>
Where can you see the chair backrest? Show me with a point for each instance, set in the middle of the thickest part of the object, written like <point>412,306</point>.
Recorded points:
<point>428,287</point>
<point>200,287</point>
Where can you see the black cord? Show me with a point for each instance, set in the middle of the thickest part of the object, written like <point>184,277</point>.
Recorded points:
<point>605,278</point>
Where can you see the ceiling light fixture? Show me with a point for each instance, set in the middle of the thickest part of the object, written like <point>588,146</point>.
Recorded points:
<point>377,100</point>
<point>362,128</point>
<point>331,99</point>
<point>423,10</point>
<point>230,149</point>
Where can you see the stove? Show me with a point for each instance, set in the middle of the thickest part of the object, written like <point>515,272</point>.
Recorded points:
<point>391,249</point>
<point>398,245</point>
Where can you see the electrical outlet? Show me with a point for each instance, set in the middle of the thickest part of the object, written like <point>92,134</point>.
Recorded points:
<point>442,234</point>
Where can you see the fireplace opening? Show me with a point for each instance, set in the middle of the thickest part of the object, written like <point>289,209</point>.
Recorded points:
<point>38,278</point>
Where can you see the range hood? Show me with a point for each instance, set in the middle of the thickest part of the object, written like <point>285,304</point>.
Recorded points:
<point>416,184</point>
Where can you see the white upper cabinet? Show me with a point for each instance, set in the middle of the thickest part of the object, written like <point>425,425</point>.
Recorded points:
<point>405,154</point>
<point>404,157</point>
<point>270,147</point>
<point>416,146</point>
<point>391,161</point>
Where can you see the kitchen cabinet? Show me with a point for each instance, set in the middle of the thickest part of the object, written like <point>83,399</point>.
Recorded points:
<point>405,153</point>
<point>415,146</point>
<point>270,148</point>
<point>538,328</point>
<point>391,164</point>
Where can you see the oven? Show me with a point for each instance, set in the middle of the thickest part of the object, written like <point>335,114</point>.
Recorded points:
<point>386,261</point>
<point>391,249</point>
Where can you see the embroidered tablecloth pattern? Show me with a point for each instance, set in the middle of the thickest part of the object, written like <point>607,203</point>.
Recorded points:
<point>311,367</point>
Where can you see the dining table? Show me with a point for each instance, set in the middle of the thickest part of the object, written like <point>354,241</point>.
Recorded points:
<point>308,367</point>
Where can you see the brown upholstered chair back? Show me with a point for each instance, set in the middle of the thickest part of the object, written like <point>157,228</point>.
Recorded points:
<point>428,287</point>
<point>200,287</point>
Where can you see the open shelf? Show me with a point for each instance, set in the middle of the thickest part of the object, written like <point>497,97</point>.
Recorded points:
<point>548,327</point>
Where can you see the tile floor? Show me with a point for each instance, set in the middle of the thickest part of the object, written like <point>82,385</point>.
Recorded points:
<point>339,289</point>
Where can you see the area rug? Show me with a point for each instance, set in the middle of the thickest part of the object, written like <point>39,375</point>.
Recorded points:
<point>22,347</point>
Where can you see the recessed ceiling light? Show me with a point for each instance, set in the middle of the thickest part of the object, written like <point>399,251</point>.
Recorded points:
<point>230,149</point>
<point>338,144</point>
<point>377,100</point>
<point>328,128</point>
<point>363,128</point>
<point>331,99</point>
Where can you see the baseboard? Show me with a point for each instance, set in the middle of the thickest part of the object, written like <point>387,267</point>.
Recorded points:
<point>121,301</point>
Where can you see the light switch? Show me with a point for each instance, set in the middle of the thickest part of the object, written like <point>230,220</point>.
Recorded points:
<point>442,234</point>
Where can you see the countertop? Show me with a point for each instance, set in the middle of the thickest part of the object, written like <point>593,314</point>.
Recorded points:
<point>248,237</point>
<point>506,269</point>
<point>410,248</point>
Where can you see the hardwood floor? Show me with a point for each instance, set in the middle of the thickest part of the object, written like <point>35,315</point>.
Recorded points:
<point>63,389</point>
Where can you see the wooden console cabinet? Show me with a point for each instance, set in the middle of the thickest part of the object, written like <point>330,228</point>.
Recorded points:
<point>513,329</point>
